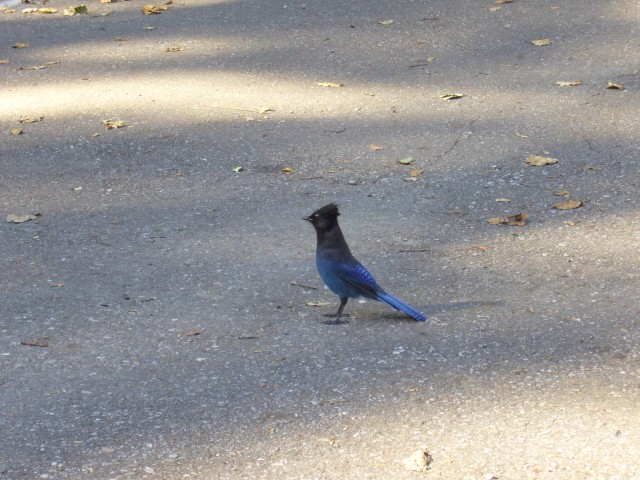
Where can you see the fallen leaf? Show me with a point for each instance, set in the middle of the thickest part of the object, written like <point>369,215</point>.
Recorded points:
<point>406,161</point>
<point>175,49</point>
<point>418,462</point>
<point>238,169</point>
<point>375,148</point>
<point>120,39</point>
<point>193,333</point>
<point>36,342</point>
<point>451,96</point>
<point>287,170</point>
<point>423,63</point>
<point>263,110</point>
<point>20,45</point>
<point>539,161</point>
<point>563,193</point>
<point>153,9</point>
<point>4,61</point>
<point>113,124</point>
<point>413,389</point>
<point>79,10</point>
<point>39,10</point>
<point>570,205</point>
<point>35,67</point>
<point>16,131</point>
<point>385,22</point>
<point>494,9</point>
<point>330,84</point>
<point>498,2</point>
<point>150,28</point>
<point>483,248</point>
<point>541,42</point>
<point>517,220</point>
<point>614,86</point>
<point>410,179</point>
<point>318,304</point>
<point>573,83</point>
<point>56,284</point>
<point>502,200</point>
<point>415,172</point>
<point>11,218</point>
<point>571,223</point>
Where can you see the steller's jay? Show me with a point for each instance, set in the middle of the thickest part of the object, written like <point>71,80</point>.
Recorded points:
<point>341,272</point>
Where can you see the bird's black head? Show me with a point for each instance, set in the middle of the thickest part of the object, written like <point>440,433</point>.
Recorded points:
<point>324,218</point>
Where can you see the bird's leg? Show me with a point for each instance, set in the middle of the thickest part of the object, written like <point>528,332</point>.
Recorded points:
<point>338,314</point>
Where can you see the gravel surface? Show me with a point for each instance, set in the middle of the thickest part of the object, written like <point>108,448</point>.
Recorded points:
<point>155,317</point>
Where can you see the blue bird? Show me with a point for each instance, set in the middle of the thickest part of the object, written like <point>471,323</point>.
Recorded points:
<point>341,272</point>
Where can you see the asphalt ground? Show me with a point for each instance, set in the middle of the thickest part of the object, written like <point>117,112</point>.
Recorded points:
<point>160,311</point>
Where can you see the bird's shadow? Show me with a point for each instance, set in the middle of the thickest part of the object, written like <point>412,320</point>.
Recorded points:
<point>433,310</point>
<point>430,311</point>
<point>457,306</point>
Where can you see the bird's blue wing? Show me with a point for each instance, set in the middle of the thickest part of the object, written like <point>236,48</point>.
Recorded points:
<point>359,278</point>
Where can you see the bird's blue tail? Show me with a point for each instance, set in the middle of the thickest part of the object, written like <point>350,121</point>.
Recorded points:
<point>400,305</point>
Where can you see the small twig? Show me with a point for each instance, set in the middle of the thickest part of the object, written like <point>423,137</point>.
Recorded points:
<point>303,285</point>
<point>255,110</point>
<point>413,250</point>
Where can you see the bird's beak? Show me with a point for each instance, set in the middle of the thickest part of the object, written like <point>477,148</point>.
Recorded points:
<point>308,219</point>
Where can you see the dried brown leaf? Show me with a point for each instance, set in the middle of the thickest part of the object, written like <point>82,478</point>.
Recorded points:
<point>16,131</point>
<point>11,218</point>
<point>318,304</point>
<point>375,148</point>
<point>287,170</point>
<point>5,61</point>
<point>563,193</point>
<point>415,172</point>
<point>36,342</point>
<point>193,333</point>
<point>29,119</point>
<point>330,84</point>
<point>517,220</point>
<point>451,96</point>
<point>541,42</point>
<point>570,205</point>
<point>614,86</point>
<point>34,67</point>
<point>112,124</point>
<point>573,83</point>
<point>153,9</point>
<point>539,161</point>
<point>20,45</point>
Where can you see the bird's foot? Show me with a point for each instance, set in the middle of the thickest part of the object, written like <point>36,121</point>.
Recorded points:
<point>335,315</point>
<point>337,321</point>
